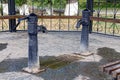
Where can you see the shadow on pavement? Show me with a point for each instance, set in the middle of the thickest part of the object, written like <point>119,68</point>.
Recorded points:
<point>89,70</point>
<point>3,46</point>
<point>58,69</point>
<point>11,65</point>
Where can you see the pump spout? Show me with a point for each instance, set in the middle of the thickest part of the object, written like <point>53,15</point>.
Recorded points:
<point>79,23</point>
<point>19,20</point>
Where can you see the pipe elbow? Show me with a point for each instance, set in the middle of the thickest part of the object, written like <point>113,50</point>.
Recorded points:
<point>79,23</point>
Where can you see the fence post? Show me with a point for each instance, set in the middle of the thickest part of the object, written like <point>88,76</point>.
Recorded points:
<point>85,31</point>
<point>11,11</point>
<point>90,7</point>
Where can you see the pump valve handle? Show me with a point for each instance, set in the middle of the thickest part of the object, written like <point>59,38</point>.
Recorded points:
<point>19,21</point>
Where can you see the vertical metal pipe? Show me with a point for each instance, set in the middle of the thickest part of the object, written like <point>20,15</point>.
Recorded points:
<point>33,60</point>
<point>42,12</point>
<point>11,11</point>
<point>78,12</point>
<point>106,17</point>
<point>85,30</point>
<point>69,15</point>
<point>24,20</point>
<point>114,15</point>
<point>98,15</point>
<point>60,15</point>
<point>32,6</point>
<point>2,14</point>
<point>90,7</point>
<point>33,50</point>
<point>51,13</point>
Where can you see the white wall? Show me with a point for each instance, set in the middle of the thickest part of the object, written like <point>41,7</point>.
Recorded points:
<point>5,8</point>
<point>24,9</point>
<point>49,11</point>
<point>71,9</point>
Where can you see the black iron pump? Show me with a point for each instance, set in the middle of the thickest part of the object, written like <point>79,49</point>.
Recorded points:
<point>33,58</point>
<point>85,21</point>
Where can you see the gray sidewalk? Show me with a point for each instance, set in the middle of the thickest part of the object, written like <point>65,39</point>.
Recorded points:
<point>14,50</point>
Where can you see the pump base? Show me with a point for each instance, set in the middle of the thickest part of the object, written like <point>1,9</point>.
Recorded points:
<point>84,54</point>
<point>33,70</point>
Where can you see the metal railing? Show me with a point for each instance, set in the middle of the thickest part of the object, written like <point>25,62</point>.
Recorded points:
<point>107,9</point>
<point>58,24</point>
<point>105,18</point>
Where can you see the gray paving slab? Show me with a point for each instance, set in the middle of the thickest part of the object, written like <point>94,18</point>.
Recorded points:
<point>14,53</point>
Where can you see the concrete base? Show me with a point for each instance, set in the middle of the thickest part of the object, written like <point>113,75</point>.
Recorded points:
<point>84,54</point>
<point>33,70</point>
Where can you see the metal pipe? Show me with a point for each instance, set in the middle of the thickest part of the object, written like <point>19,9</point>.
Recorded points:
<point>85,31</point>
<point>11,11</point>
<point>33,59</point>
<point>90,7</point>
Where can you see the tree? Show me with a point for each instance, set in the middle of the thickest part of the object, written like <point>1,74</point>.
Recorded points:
<point>20,2</point>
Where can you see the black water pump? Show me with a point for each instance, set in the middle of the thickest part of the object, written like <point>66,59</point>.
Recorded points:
<point>85,21</point>
<point>33,58</point>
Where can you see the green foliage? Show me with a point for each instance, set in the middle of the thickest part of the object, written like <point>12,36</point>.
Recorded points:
<point>104,4</point>
<point>20,2</point>
<point>4,1</point>
<point>62,3</point>
<point>82,3</point>
<point>48,3</point>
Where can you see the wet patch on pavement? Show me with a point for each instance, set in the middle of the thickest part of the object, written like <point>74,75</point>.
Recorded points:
<point>59,61</point>
<point>3,46</point>
<point>10,65</point>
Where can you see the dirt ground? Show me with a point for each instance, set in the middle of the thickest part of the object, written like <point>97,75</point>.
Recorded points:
<point>55,49</point>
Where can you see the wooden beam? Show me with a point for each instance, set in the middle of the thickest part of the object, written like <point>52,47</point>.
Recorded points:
<point>43,17</point>
<point>60,17</point>
<point>11,16</point>
<point>106,19</point>
<point>102,68</point>
<point>63,17</point>
<point>112,69</point>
